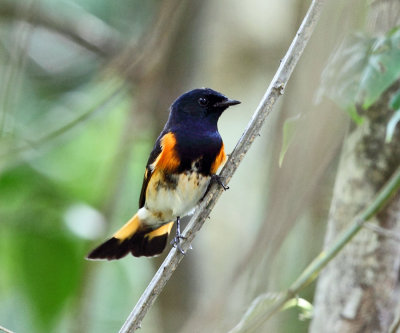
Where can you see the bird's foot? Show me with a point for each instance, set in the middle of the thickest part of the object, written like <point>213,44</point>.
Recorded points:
<point>220,181</point>
<point>176,242</point>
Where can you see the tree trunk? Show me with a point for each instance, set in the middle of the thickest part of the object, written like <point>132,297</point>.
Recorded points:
<point>359,290</point>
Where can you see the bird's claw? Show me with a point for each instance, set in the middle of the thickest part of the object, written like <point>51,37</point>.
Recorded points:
<point>219,180</point>
<point>176,242</point>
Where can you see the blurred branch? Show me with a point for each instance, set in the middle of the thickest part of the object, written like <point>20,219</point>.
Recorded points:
<point>81,27</point>
<point>134,63</point>
<point>12,74</point>
<point>142,58</point>
<point>396,322</point>
<point>382,231</point>
<point>34,144</point>
<point>257,250</point>
<point>250,322</point>
<point>274,91</point>
<point>3,329</point>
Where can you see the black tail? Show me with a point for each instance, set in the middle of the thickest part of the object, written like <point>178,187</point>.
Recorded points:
<point>141,243</point>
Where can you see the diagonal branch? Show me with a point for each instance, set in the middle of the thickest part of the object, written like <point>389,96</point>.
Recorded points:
<point>382,231</point>
<point>274,91</point>
<point>262,311</point>
<point>5,330</point>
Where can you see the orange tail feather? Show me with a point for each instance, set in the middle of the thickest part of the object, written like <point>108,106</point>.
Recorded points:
<point>133,237</point>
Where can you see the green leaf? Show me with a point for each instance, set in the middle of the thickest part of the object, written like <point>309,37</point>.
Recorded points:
<point>49,271</point>
<point>47,260</point>
<point>361,70</point>
<point>340,78</point>
<point>354,115</point>
<point>395,101</point>
<point>382,70</point>
<point>305,306</point>
<point>391,126</point>
<point>289,128</point>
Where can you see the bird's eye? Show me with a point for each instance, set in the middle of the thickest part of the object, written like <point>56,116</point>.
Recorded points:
<point>203,101</point>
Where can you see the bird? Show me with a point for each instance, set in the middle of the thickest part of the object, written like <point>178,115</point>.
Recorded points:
<point>183,163</point>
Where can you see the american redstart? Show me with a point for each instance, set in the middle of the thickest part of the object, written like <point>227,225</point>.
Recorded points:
<point>183,162</point>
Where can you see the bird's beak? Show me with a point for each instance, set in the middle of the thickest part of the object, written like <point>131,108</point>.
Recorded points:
<point>226,103</point>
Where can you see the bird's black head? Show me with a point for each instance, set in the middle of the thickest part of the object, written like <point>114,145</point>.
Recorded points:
<point>200,105</point>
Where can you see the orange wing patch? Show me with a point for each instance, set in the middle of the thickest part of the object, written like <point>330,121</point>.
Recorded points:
<point>219,160</point>
<point>168,159</point>
<point>165,229</point>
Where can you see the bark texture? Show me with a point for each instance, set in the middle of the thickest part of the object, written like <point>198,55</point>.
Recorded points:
<point>359,291</point>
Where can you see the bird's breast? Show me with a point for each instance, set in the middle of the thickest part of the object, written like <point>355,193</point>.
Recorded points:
<point>171,195</point>
<point>201,148</point>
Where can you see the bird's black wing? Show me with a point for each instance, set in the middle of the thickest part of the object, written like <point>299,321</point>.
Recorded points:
<point>148,173</point>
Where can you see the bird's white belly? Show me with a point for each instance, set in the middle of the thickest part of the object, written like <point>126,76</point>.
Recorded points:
<point>168,197</point>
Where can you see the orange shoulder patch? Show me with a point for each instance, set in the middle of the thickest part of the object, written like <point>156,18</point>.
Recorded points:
<point>168,159</point>
<point>219,160</point>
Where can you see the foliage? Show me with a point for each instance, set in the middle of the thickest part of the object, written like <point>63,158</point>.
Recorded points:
<point>361,69</point>
<point>395,119</point>
<point>57,151</point>
<point>289,128</point>
<point>31,210</point>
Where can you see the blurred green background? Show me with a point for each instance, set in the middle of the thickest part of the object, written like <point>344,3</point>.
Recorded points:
<point>85,87</point>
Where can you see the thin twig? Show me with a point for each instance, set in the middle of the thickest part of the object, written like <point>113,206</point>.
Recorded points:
<point>3,329</point>
<point>382,231</point>
<point>313,269</point>
<point>274,91</point>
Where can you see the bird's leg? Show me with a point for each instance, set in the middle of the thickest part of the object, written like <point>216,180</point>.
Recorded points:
<point>176,242</point>
<point>219,180</point>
